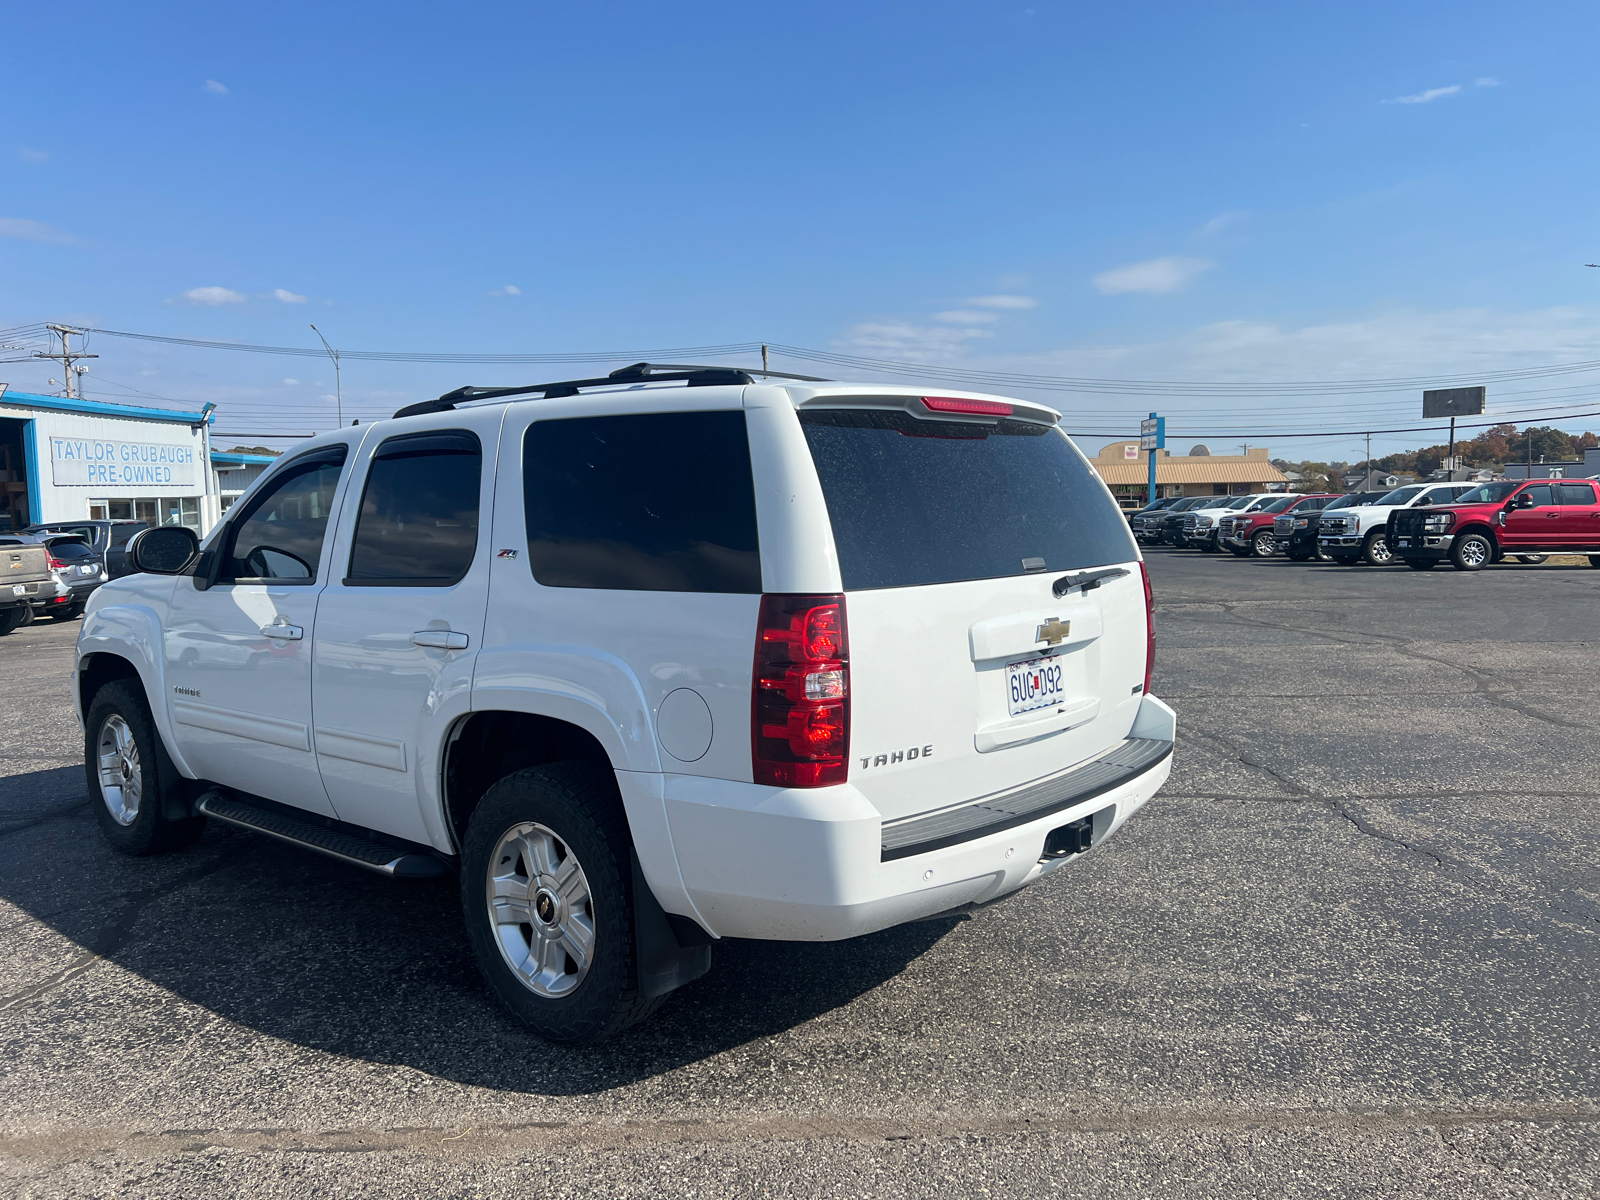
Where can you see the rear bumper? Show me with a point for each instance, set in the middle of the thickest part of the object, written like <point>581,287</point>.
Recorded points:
<point>815,865</point>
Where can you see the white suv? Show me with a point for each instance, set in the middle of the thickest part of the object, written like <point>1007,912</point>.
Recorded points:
<point>648,665</point>
<point>1347,535</point>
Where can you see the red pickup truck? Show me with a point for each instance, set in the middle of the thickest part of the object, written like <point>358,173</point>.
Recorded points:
<point>1540,516</point>
<point>1252,532</point>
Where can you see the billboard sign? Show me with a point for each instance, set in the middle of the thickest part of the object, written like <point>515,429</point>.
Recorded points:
<point>1454,402</point>
<point>1153,434</point>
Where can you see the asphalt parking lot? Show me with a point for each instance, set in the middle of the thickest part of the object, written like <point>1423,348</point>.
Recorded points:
<point>1351,950</point>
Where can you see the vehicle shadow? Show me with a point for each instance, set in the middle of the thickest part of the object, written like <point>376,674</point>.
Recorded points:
<point>332,958</point>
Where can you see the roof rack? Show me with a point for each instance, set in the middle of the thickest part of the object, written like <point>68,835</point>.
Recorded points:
<point>694,376</point>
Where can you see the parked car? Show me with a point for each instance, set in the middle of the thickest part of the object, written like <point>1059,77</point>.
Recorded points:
<point>1526,520</point>
<point>24,577</point>
<point>1243,507</point>
<point>1358,534</point>
<point>1255,532</point>
<point>1145,524</point>
<point>77,569</point>
<point>809,660</point>
<point>108,539</point>
<point>1296,532</point>
<point>1167,527</point>
<point>1197,527</point>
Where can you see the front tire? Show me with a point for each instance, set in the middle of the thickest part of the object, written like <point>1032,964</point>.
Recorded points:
<point>1263,544</point>
<point>1346,560</point>
<point>1471,552</point>
<point>546,890</point>
<point>131,776</point>
<point>1300,555</point>
<point>1210,547</point>
<point>1376,549</point>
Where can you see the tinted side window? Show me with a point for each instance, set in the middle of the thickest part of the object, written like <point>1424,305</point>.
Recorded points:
<point>122,534</point>
<point>660,502</point>
<point>418,525</point>
<point>1574,493</point>
<point>1541,493</point>
<point>280,536</point>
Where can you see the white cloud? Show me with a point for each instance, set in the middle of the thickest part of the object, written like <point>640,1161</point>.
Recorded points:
<point>1014,302</point>
<point>962,316</point>
<point>33,231</point>
<point>29,155</point>
<point>1427,97</point>
<point>287,296</point>
<point>215,88</point>
<point>1486,81</point>
<point>213,296</point>
<point>1222,221</point>
<point>330,397</point>
<point>1156,276</point>
<point>901,339</point>
<point>292,382</point>
<point>510,289</point>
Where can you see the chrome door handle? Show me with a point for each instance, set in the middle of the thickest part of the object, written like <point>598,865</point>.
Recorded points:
<point>439,639</point>
<point>289,633</point>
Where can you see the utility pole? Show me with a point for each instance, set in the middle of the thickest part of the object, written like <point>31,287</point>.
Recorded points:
<point>66,357</point>
<point>1369,462</point>
<point>338,385</point>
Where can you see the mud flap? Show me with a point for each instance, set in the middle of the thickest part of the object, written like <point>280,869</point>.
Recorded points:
<point>664,963</point>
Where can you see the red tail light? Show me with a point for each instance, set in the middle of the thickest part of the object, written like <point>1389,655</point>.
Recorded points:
<point>56,564</point>
<point>971,408</point>
<point>1150,628</point>
<point>800,693</point>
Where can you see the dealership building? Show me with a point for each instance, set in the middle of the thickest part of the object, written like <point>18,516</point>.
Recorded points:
<point>66,459</point>
<point>1126,470</point>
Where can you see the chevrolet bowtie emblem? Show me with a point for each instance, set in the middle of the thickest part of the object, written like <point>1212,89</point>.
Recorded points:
<point>1053,631</point>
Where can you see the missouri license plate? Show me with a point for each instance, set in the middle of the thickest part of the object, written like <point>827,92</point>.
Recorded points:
<point>1033,684</point>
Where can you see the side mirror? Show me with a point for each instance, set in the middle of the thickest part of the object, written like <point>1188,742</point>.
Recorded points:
<point>1523,500</point>
<point>164,550</point>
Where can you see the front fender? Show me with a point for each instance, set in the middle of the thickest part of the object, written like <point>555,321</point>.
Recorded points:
<point>130,631</point>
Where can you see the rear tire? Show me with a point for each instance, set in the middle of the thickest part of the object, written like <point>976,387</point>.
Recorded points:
<point>1594,560</point>
<point>11,618</point>
<point>131,778</point>
<point>1471,552</point>
<point>550,845</point>
<point>1346,560</point>
<point>1532,560</point>
<point>1422,564</point>
<point>1299,555</point>
<point>71,613</point>
<point>1376,550</point>
<point>1237,552</point>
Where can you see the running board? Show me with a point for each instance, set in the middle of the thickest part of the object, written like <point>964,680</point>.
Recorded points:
<point>385,860</point>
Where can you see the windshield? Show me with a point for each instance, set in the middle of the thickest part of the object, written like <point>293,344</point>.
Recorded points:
<point>1399,495</point>
<point>920,502</point>
<point>1216,502</point>
<point>1489,493</point>
<point>1273,506</point>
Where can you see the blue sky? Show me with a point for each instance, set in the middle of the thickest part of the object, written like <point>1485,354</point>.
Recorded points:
<point>1247,192</point>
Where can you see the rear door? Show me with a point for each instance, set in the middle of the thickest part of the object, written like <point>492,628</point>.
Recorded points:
<point>400,624</point>
<point>975,666</point>
<point>1577,521</point>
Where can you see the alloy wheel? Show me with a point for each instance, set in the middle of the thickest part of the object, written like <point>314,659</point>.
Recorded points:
<point>542,910</point>
<point>121,775</point>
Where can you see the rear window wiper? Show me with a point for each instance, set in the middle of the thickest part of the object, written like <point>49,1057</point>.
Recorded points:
<point>1087,580</point>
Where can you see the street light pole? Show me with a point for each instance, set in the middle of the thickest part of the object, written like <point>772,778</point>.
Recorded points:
<point>338,385</point>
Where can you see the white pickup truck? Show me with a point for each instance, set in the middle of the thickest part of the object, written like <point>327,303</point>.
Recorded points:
<point>649,660</point>
<point>1350,535</point>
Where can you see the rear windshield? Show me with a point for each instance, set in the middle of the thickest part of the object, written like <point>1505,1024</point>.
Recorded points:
<point>71,551</point>
<point>918,502</point>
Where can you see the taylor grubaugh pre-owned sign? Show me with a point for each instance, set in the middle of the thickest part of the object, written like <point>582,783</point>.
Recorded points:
<point>94,462</point>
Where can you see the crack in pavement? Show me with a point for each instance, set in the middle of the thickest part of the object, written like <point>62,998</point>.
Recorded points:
<point>587,1134</point>
<point>51,814</point>
<point>110,937</point>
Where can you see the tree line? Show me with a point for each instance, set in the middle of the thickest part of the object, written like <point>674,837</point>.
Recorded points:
<point>1492,448</point>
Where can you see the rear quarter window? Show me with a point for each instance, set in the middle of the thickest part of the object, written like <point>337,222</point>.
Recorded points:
<point>659,502</point>
<point>919,502</point>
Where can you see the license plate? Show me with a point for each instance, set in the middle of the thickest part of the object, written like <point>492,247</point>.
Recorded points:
<point>18,589</point>
<point>1033,684</point>
<point>1402,541</point>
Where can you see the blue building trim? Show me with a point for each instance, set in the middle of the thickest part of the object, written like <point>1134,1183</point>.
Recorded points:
<point>30,456</point>
<point>241,460</point>
<point>100,409</point>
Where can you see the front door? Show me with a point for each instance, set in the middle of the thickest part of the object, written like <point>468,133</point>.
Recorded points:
<point>400,624</point>
<point>238,655</point>
<point>1578,516</point>
<point>1530,527</point>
